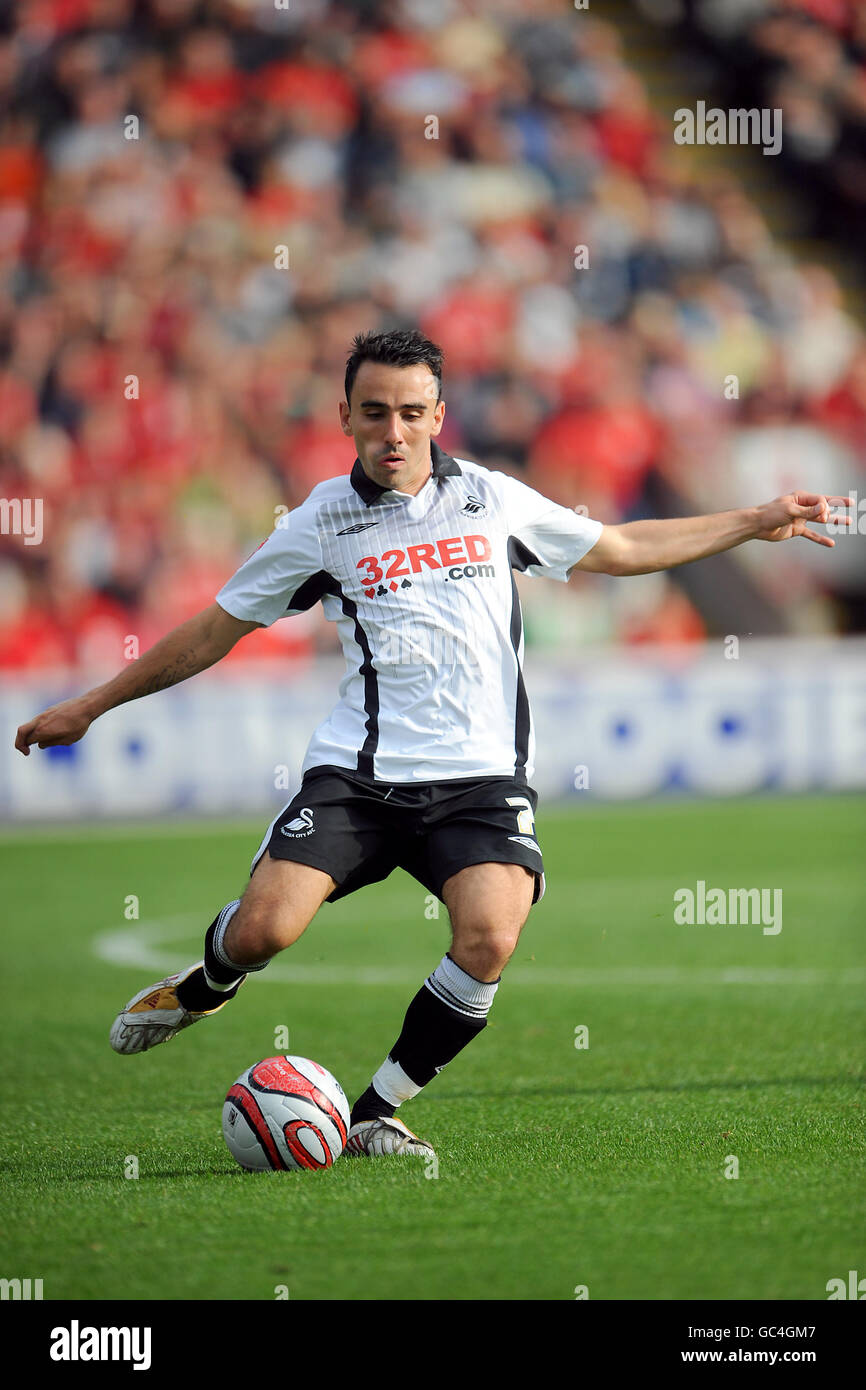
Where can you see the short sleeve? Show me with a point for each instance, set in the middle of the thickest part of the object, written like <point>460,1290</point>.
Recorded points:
<point>546,539</point>
<point>280,577</point>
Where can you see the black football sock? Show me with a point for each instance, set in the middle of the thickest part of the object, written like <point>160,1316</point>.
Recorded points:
<point>370,1106</point>
<point>219,979</point>
<point>196,995</point>
<point>448,1011</point>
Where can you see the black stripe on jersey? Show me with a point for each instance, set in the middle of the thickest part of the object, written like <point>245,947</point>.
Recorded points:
<point>520,557</point>
<point>371,690</point>
<point>310,592</point>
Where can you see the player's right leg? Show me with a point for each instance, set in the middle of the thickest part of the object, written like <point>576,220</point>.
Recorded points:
<point>278,904</point>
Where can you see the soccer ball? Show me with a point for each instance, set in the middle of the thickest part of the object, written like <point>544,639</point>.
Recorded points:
<point>286,1112</point>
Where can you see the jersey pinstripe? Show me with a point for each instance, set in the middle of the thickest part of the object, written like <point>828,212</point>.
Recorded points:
<point>422,591</point>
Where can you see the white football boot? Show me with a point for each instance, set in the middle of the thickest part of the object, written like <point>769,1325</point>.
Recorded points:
<point>375,1138</point>
<point>155,1015</point>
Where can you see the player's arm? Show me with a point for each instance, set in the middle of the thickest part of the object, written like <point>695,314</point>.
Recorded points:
<point>192,647</point>
<point>641,547</point>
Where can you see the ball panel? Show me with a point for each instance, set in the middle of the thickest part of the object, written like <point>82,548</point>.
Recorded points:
<point>249,1107</point>
<point>281,1111</point>
<point>273,1074</point>
<point>328,1086</point>
<point>242,1142</point>
<point>307,1145</point>
<point>305,1079</point>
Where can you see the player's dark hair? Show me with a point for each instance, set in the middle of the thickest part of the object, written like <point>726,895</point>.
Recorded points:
<point>403,347</point>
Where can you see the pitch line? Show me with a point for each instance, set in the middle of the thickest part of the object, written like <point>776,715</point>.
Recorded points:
<point>148,946</point>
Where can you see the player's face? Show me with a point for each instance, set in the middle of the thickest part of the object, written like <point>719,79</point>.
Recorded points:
<point>391,417</point>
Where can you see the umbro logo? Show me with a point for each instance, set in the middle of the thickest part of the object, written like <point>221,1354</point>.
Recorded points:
<point>359,526</point>
<point>473,505</point>
<point>526,842</point>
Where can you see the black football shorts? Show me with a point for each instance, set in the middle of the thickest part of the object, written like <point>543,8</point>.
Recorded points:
<point>358,831</point>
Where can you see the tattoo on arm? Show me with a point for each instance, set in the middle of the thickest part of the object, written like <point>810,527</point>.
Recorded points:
<point>185,664</point>
<point>176,669</point>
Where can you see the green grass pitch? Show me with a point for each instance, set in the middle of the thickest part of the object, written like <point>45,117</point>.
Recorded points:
<point>602,1166</point>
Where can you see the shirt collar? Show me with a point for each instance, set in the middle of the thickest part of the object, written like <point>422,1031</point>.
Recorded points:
<point>443,465</point>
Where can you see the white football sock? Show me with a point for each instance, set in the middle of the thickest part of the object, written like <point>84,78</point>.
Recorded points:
<point>219,950</point>
<point>392,1083</point>
<point>460,991</point>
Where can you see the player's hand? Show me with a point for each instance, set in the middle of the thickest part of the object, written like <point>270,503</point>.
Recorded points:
<point>63,723</point>
<point>792,516</point>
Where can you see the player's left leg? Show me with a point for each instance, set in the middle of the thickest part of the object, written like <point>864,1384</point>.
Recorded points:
<point>488,905</point>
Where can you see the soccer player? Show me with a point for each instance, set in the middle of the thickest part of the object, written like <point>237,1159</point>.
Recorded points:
<point>424,762</point>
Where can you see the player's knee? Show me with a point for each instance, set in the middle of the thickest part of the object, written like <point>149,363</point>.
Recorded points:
<point>484,951</point>
<point>260,929</point>
<point>279,903</point>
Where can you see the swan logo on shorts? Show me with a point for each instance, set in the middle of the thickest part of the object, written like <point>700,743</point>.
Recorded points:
<point>301,825</point>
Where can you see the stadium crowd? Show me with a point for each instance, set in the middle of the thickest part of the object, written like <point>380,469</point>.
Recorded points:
<point>426,163</point>
<point>806,58</point>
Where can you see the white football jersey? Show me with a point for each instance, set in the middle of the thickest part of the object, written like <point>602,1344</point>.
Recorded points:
<point>422,592</point>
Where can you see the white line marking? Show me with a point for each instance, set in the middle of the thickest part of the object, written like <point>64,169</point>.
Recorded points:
<point>147,945</point>
<point>46,833</point>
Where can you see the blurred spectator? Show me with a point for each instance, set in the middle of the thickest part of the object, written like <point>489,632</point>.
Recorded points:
<point>166,389</point>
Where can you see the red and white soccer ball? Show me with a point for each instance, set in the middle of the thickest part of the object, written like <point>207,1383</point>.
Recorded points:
<point>286,1112</point>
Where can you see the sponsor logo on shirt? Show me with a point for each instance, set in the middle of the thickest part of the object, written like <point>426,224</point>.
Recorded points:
<point>457,556</point>
<point>359,526</point>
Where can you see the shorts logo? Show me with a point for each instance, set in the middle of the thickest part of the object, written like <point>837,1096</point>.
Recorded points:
<point>527,843</point>
<point>473,505</point>
<point>300,826</point>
